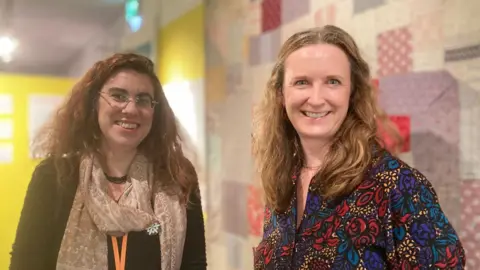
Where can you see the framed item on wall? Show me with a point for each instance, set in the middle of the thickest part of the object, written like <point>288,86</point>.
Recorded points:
<point>40,109</point>
<point>6,104</point>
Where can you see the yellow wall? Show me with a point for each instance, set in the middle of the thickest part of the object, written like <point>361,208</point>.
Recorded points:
<point>16,176</point>
<point>181,54</point>
<point>180,51</point>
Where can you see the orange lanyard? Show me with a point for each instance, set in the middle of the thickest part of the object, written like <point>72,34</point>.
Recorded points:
<point>120,260</point>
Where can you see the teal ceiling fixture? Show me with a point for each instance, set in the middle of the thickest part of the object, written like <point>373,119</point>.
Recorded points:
<point>132,15</point>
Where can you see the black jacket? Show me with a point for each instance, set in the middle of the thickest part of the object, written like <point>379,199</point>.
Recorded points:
<point>44,218</point>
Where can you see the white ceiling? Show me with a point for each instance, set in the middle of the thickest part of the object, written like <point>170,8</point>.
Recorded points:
<point>53,33</point>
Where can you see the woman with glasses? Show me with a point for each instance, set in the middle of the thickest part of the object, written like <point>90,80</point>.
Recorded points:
<point>115,191</point>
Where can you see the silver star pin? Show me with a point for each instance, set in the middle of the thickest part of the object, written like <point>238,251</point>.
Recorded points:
<point>153,229</point>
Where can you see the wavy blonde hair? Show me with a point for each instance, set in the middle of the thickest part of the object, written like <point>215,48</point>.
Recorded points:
<point>276,143</point>
<point>387,128</point>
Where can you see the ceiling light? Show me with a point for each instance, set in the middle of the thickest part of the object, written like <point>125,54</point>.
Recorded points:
<point>6,58</point>
<point>7,47</point>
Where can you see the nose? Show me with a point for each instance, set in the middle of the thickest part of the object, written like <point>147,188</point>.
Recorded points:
<point>317,95</point>
<point>130,108</point>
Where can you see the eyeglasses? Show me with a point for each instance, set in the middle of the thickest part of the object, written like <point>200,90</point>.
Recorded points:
<point>121,100</point>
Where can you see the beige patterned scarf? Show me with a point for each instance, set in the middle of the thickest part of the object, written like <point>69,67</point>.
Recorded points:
<point>95,214</point>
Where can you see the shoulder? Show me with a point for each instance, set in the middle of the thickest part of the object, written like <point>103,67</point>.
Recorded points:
<point>189,173</point>
<point>44,173</point>
<point>191,176</point>
<point>392,173</point>
<point>408,192</point>
<point>188,166</point>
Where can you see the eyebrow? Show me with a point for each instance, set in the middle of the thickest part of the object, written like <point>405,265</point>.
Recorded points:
<point>117,89</point>
<point>125,91</point>
<point>335,77</point>
<point>305,77</point>
<point>298,77</point>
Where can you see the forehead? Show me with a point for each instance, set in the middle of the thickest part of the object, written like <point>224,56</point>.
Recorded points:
<point>130,81</point>
<point>321,59</point>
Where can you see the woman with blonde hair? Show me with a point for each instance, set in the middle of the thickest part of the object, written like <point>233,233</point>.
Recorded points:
<point>335,198</point>
<point>115,191</point>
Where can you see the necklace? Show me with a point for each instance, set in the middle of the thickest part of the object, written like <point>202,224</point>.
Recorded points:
<point>116,180</point>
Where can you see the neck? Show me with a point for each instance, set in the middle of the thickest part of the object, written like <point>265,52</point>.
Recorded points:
<point>314,152</point>
<point>116,162</point>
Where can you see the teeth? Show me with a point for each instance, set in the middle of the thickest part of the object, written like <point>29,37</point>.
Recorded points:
<point>127,125</point>
<point>316,115</point>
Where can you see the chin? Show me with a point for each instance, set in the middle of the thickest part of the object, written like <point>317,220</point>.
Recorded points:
<point>318,135</point>
<point>124,143</point>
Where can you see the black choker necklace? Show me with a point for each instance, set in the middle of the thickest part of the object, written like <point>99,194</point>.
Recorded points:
<point>116,180</point>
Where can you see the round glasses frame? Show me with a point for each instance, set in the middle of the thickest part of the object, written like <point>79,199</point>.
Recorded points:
<point>123,101</point>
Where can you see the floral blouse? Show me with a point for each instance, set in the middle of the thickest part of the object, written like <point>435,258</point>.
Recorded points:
<point>391,221</point>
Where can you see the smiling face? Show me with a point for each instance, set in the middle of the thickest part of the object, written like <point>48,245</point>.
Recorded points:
<point>317,90</point>
<point>125,111</point>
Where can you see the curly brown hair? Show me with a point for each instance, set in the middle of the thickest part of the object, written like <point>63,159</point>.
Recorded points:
<point>74,129</point>
<point>276,143</point>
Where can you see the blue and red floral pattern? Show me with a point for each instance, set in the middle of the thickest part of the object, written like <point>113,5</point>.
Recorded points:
<point>393,220</point>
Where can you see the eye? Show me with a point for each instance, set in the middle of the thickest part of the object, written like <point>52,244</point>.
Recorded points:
<point>333,81</point>
<point>119,97</point>
<point>144,101</point>
<point>301,82</point>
